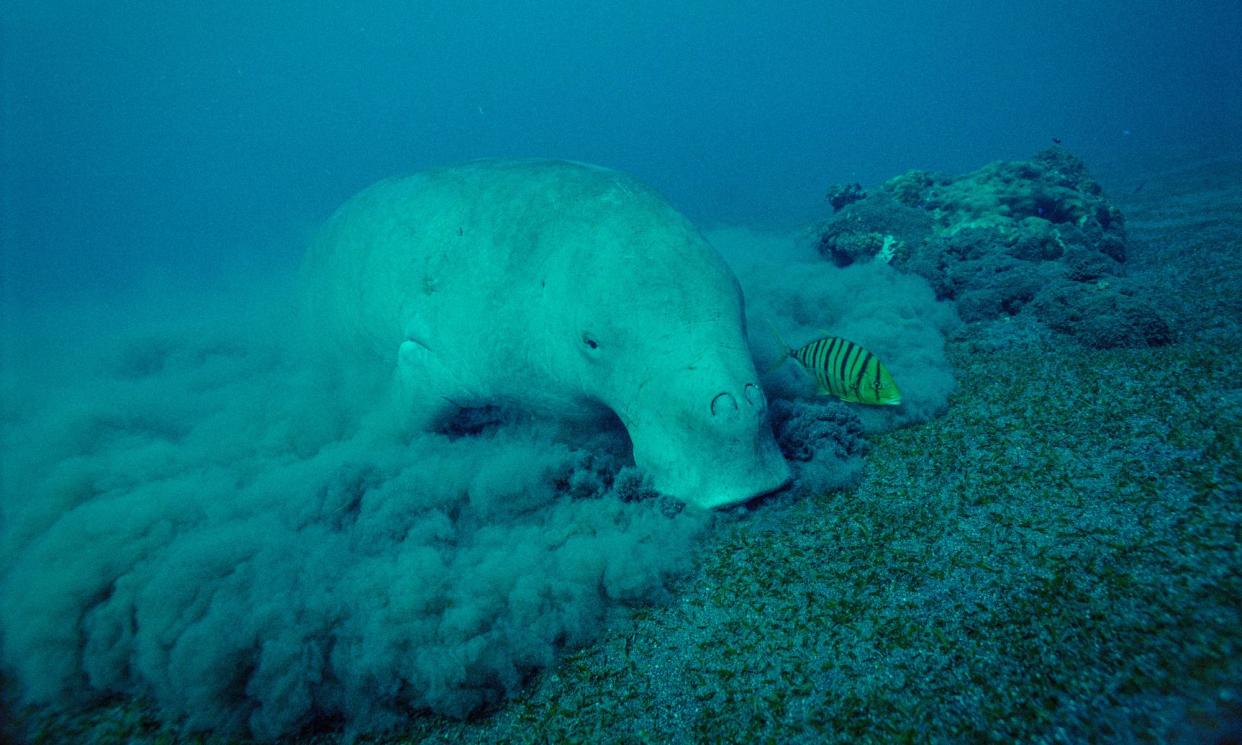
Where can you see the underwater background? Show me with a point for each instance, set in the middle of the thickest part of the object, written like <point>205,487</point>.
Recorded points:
<point>1032,212</point>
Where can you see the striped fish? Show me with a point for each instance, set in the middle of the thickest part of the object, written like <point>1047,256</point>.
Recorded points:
<point>845,370</point>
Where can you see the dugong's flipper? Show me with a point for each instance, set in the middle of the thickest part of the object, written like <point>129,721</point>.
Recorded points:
<point>424,388</point>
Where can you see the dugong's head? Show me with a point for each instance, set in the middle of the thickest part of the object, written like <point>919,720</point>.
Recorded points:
<point>658,331</point>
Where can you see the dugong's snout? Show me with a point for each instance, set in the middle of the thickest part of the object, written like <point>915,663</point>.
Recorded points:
<point>711,450</point>
<point>756,466</point>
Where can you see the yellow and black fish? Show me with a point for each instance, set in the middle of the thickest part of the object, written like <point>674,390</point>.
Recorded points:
<point>845,370</point>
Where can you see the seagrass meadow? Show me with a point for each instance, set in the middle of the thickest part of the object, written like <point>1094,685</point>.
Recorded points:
<point>1055,558</point>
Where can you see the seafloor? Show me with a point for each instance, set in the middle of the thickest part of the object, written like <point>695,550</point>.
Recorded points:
<point>1057,558</point>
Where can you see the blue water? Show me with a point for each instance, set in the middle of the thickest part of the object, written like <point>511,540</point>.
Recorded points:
<point>142,133</point>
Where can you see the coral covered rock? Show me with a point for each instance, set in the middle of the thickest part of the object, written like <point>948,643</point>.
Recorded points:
<point>839,195</point>
<point>1032,236</point>
<point>1103,319</point>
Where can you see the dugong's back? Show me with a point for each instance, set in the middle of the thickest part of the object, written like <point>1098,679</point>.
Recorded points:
<point>447,246</point>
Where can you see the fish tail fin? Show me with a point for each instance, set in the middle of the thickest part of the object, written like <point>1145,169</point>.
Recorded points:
<point>786,350</point>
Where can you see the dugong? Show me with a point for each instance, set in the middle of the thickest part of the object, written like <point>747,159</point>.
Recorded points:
<point>559,288</point>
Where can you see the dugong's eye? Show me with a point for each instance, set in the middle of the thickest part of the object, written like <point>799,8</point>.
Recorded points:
<point>589,344</point>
